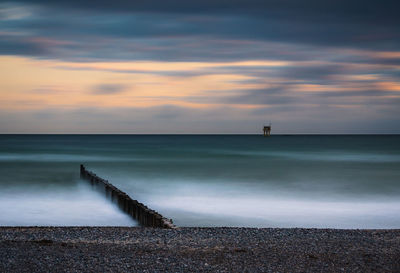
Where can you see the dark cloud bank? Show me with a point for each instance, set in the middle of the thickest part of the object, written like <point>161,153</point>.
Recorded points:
<point>199,30</point>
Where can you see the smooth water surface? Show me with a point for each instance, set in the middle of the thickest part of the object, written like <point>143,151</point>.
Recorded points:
<point>204,180</point>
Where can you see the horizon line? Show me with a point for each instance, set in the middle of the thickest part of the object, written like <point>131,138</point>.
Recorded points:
<point>212,134</point>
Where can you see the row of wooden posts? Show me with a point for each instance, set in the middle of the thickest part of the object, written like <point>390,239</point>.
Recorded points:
<point>138,211</point>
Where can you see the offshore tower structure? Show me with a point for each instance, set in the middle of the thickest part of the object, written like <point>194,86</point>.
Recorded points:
<point>267,130</point>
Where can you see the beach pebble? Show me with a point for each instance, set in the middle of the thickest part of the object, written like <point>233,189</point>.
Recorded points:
<point>124,249</point>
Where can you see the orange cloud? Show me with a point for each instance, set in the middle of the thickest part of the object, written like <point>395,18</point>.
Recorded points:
<point>44,81</point>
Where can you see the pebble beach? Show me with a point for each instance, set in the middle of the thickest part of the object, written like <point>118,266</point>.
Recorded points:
<point>138,249</point>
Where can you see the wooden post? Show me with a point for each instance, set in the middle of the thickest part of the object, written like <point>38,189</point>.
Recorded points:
<point>145,216</point>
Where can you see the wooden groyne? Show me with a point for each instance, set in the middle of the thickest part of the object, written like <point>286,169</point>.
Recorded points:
<point>138,211</point>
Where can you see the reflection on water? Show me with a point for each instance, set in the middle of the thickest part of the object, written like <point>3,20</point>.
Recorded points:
<point>281,181</point>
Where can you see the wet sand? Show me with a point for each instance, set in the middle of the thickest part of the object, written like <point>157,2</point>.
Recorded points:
<point>124,249</point>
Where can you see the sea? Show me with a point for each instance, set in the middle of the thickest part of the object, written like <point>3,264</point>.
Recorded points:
<point>313,181</point>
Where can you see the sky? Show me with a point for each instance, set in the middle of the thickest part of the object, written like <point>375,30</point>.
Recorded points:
<point>200,67</point>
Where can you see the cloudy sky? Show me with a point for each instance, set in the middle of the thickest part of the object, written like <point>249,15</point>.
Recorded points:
<point>210,66</point>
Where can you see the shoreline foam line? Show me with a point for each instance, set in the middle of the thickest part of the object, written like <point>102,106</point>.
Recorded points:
<point>138,211</point>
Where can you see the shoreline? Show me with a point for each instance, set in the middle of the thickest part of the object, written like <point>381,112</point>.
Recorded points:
<point>217,249</point>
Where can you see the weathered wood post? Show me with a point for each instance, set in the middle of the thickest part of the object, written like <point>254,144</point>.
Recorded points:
<point>145,216</point>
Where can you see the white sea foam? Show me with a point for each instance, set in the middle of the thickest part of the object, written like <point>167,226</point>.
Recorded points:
<point>220,203</point>
<point>271,211</point>
<point>79,207</point>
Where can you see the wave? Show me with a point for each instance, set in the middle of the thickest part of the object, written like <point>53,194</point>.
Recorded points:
<point>318,156</point>
<point>60,158</point>
<point>80,206</point>
<point>273,212</point>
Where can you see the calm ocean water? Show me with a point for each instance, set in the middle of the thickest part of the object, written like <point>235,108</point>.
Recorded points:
<point>204,180</point>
